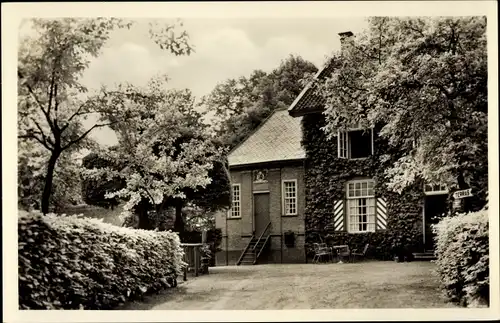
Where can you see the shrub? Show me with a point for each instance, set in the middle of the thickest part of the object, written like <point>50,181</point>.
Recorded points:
<point>70,262</point>
<point>462,251</point>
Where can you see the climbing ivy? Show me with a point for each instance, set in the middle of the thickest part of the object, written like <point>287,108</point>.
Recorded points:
<point>325,178</point>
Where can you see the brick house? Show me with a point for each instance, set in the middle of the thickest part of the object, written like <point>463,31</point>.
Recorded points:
<point>267,178</point>
<point>288,173</point>
<point>347,200</point>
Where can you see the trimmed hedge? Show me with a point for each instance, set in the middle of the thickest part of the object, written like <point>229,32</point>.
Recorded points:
<point>462,251</point>
<point>71,262</point>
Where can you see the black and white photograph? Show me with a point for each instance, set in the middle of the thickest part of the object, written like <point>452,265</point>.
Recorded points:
<point>174,161</point>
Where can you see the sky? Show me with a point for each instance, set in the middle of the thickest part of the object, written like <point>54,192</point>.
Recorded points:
<point>224,48</point>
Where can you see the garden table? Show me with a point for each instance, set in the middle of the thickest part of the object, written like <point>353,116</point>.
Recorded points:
<point>338,248</point>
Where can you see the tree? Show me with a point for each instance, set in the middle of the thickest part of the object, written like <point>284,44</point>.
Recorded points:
<point>203,201</point>
<point>51,100</point>
<point>94,190</point>
<point>32,165</point>
<point>165,155</point>
<point>240,105</point>
<point>423,82</point>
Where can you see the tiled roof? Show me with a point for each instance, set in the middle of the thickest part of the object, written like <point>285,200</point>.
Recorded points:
<point>278,138</point>
<point>308,101</point>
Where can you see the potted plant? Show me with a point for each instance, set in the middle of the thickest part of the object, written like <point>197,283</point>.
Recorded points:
<point>206,255</point>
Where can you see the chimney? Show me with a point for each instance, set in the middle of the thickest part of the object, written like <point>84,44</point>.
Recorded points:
<point>343,36</point>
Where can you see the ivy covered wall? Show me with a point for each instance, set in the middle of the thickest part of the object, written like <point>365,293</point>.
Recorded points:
<point>325,178</point>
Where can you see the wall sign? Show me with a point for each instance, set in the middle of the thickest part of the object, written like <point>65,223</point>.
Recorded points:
<point>463,193</point>
<point>260,176</point>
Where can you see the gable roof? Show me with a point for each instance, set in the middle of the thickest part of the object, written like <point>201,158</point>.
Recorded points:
<point>278,138</point>
<point>308,100</point>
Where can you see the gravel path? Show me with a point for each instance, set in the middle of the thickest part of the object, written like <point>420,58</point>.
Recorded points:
<point>304,286</point>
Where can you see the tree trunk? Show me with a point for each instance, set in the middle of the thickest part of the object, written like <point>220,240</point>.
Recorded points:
<point>49,179</point>
<point>179,221</point>
<point>142,212</point>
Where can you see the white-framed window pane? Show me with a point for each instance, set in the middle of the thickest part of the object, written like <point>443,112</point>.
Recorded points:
<point>290,197</point>
<point>236,202</point>
<point>361,206</point>
<point>430,189</point>
<point>342,142</point>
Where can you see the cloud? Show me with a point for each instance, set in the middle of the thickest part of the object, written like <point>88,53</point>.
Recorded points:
<point>222,51</point>
<point>128,62</point>
<point>228,45</point>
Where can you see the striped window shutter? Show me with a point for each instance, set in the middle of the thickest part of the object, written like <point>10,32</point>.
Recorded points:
<point>381,214</point>
<point>338,215</point>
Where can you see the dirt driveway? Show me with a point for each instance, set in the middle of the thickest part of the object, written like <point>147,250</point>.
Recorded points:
<point>304,286</point>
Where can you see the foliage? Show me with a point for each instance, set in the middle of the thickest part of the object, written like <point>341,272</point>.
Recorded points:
<point>32,163</point>
<point>240,105</point>
<point>216,195</point>
<point>52,104</point>
<point>325,180</point>
<point>165,154</point>
<point>200,206</point>
<point>206,256</point>
<point>94,190</point>
<point>69,262</point>
<point>462,250</point>
<point>425,81</point>
<point>112,216</point>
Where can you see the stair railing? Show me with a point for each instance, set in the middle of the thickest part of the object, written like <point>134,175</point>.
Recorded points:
<point>261,235</point>
<point>244,251</point>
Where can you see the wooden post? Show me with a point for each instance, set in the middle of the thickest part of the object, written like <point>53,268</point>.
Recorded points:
<point>204,236</point>
<point>196,259</point>
<point>185,267</point>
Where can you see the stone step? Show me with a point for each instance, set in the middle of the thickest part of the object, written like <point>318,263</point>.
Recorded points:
<point>243,262</point>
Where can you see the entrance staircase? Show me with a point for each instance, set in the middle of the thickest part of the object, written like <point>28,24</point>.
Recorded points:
<point>255,248</point>
<point>426,255</point>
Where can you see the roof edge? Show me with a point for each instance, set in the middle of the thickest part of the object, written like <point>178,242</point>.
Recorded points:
<point>298,114</point>
<point>270,162</point>
<point>304,90</point>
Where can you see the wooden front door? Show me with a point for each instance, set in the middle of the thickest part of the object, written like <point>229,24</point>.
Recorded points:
<point>435,207</point>
<point>261,212</point>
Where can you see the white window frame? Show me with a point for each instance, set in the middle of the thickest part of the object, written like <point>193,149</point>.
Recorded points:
<point>344,144</point>
<point>370,203</point>
<point>235,210</point>
<point>285,199</point>
<point>439,189</point>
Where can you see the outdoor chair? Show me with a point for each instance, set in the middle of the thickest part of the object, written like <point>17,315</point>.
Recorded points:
<point>343,253</point>
<point>362,254</point>
<point>321,250</point>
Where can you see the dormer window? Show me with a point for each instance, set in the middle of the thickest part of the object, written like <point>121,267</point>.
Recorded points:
<point>355,143</point>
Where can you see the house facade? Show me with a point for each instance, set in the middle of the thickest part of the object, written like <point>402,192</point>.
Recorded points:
<point>347,199</point>
<point>338,186</point>
<point>267,179</point>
